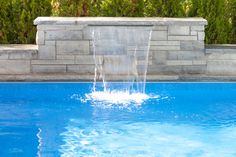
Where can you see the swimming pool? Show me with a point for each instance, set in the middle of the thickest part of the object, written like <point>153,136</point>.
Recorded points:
<point>57,119</point>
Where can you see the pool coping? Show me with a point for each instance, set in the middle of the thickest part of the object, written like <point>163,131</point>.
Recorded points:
<point>89,78</point>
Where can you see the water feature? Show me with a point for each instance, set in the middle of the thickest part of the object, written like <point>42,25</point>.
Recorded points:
<point>123,53</point>
<point>42,119</point>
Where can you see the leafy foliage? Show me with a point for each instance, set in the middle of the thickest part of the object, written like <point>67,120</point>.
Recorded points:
<point>16,16</point>
<point>70,7</point>
<point>217,15</point>
<point>232,3</point>
<point>16,19</point>
<point>164,8</point>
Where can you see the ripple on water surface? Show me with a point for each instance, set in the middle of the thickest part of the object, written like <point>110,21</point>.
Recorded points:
<point>146,139</point>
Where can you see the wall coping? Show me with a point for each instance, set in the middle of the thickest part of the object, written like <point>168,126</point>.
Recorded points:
<point>220,46</point>
<point>22,47</point>
<point>144,21</point>
<point>18,48</point>
<point>88,78</point>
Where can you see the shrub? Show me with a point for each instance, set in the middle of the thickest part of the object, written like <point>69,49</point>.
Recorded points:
<point>232,3</point>
<point>98,7</point>
<point>171,8</point>
<point>16,19</point>
<point>217,15</point>
<point>70,8</point>
<point>16,16</point>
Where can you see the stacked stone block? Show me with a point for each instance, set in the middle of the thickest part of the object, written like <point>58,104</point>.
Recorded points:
<point>16,59</point>
<point>64,51</point>
<point>178,49</point>
<point>221,60</point>
<point>65,45</point>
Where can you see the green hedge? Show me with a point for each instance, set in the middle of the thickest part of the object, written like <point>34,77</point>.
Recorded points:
<point>219,16</point>
<point>16,19</point>
<point>16,16</point>
<point>233,19</point>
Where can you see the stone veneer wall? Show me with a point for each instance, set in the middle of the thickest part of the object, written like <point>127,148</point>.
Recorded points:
<point>177,45</point>
<point>221,60</point>
<point>16,59</point>
<point>64,52</point>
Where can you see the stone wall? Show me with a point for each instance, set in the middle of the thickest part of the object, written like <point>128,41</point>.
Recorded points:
<point>176,46</point>
<point>221,60</point>
<point>64,51</point>
<point>16,59</point>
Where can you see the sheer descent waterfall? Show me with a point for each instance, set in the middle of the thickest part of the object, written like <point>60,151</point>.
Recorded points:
<point>121,53</point>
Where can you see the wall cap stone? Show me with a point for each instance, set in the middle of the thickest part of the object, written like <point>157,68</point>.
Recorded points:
<point>18,47</point>
<point>18,51</point>
<point>146,21</point>
<point>220,46</point>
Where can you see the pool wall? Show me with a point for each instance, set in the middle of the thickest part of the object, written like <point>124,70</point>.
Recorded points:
<point>64,51</point>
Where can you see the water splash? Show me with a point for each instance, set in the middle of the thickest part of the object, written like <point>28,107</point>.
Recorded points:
<point>120,53</point>
<point>115,99</point>
<point>118,97</point>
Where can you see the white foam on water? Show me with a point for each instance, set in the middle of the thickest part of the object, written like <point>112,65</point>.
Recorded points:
<point>118,97</point>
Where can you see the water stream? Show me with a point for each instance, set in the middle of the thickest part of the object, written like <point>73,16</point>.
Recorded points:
<point>121,53</point>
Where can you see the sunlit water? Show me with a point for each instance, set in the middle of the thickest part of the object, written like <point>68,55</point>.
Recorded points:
<point>67,119</point>
<point>150,139</point>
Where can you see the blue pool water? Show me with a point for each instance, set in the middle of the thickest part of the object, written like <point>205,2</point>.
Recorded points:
<point>57,119</point>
